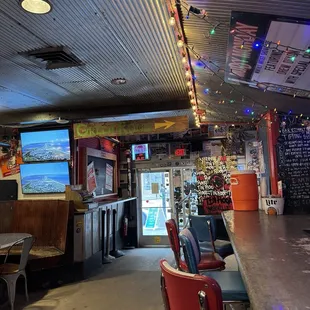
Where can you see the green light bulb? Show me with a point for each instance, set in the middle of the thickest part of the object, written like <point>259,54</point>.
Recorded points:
<point>293,58</point>
<point>308,50</point>
<point>212,31</point>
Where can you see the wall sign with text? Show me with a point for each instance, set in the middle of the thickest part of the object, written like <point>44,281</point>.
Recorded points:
<point>294,166</point>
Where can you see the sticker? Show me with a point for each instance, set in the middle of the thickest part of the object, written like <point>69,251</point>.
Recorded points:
<point>157,239</point>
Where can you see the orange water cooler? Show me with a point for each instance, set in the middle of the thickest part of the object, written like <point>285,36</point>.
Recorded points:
<point>244,190</point>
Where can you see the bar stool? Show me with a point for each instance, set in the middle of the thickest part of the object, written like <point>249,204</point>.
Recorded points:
<point>205,227</point>
<point>185,291</point>
<point>207,260</point>
<point>233,290</point>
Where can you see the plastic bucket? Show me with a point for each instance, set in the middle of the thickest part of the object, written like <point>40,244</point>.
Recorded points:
<point>273,206</point>
<point>244,190</point>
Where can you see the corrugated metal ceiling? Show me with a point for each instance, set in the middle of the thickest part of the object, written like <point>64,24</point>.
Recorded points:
<point>214,47</point>
<point>130,39</point>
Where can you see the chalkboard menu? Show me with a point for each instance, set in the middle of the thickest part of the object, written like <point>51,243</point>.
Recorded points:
<point>294,167</point>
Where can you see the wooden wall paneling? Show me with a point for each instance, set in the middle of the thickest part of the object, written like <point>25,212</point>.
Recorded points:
<point>6,214</point>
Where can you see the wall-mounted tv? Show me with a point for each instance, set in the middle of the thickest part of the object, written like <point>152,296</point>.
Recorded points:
<point>44,178</point>
<point>48,145</point>
<point>140,152</point>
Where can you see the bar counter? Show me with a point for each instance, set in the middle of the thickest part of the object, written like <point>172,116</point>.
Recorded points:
<point>273,254</point>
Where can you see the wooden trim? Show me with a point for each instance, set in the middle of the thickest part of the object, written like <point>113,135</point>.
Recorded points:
<point>82,166</point>
<point>272,136</point>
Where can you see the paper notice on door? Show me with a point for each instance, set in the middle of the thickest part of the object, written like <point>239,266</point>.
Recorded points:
<point>91,178</point>
<point>155,188</point>
<point>109,177</point>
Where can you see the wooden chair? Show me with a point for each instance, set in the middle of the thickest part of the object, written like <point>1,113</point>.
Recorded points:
<point>185,291</point>
<point>11,272</point>
<point>208,260</point>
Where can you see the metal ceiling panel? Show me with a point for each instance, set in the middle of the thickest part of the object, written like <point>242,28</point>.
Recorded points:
<point>138,116</point>
<point>214,48</point>
<point>114,39</point>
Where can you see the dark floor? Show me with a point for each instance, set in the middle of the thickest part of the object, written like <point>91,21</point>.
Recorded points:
<point>131,282</point>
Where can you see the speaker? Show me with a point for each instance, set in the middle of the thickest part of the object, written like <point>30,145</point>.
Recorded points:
<point>8,190</point>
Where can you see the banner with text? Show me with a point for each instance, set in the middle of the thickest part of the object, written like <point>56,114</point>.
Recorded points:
<point>270,63</point>
<point>130,128</point>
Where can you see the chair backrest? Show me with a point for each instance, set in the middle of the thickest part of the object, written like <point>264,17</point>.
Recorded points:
<point>185,291</point>
<point>205,226</point>
<point>174,240</point>
<point>26,244</point>
<point>190,250</point>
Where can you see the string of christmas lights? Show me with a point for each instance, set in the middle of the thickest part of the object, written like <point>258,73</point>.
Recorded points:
<point>191,78</point>
<point>202,14</point>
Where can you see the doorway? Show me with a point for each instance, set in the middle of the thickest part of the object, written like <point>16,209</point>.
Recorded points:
<point>159,190</point>
<point>155,206</point>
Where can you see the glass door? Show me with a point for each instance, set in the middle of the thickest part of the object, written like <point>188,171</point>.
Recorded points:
<point>155,207</point>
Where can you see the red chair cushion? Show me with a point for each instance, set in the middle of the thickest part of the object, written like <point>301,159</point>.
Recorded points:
<point>211,261</point>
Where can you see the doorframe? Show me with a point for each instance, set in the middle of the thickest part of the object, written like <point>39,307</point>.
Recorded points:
<point>164,241</point>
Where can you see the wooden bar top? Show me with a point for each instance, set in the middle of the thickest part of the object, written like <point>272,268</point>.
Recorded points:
<point>273,254</point>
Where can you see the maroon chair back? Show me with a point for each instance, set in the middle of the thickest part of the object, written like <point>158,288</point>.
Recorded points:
<point>185,291</point>
<point>174,240</point>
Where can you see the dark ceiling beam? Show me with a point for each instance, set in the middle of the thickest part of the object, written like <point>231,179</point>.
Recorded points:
<point>83,114</point>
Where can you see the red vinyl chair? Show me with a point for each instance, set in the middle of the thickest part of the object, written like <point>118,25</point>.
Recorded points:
<point>208,261</point>
<point>185,291</point>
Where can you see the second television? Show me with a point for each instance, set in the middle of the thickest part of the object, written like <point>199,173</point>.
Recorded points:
<point>48,145</point>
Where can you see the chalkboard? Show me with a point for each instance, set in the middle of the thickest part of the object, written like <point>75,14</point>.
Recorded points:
<point>104,175</point>
<point>293,152</point>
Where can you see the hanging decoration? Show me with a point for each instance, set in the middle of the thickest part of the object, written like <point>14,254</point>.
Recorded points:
<point>205,62</point>
<point>10,157</point>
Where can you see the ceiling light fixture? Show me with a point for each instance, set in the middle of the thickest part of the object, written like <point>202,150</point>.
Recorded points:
<point>119,81</point>
<point>36,6</point>
<point>61,121</point>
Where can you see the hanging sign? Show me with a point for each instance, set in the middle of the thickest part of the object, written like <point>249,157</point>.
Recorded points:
<point>280,63</point>
<point>130,128</point>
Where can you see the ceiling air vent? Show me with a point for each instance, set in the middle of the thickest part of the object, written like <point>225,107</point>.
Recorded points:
<point>55,57</point>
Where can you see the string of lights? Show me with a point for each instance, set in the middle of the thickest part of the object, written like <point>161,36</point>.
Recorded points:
<point>202,14</point>
<point>190,78</point>
<point>208,64</point>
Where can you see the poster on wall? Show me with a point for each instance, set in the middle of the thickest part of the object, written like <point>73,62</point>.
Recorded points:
<point>11,158</point>
<point>217,131</point>
<point>213,147</point>
<point>280,63</point>
<point>213,183</point>
<point>91,178</point>
<point>251,152</point>
<point>109,177</point>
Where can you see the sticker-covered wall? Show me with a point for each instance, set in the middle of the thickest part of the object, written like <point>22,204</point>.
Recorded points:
<point>213,183</point>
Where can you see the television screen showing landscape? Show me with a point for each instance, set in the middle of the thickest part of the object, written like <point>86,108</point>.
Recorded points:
<point>44,178</point>
<point>52,145</point>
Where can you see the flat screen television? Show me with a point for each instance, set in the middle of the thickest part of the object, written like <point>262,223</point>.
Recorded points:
<point>140,152</point>
<point>44,178</point>
<point>48,145</point>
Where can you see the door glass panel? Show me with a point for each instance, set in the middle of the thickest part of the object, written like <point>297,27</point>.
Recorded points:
<point>156,203</point>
